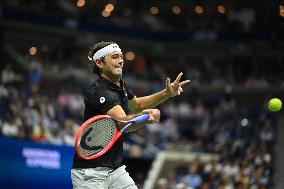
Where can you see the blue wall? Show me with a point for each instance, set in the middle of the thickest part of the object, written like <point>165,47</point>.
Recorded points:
<point>24,164</point>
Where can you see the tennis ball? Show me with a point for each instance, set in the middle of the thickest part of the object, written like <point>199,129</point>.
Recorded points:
<point>274,104</point>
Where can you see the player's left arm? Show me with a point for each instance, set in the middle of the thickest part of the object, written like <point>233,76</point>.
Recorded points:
<point>138,104</point>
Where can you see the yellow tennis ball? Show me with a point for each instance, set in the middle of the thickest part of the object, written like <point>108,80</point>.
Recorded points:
<point>274,104</point>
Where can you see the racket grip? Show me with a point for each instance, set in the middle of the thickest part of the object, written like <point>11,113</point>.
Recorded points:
<point>141,119</point>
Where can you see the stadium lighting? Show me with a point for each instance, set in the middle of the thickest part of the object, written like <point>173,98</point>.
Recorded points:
<point>81,3</point>
<point>154,10</point>
<point>199,9</point>
<point>33,51</point>
<point>105,13</point>
<point>109,7</point>
<point>176,9</point>
<point>130,55</point>
<point>281,10</point>
<point>221,9</point>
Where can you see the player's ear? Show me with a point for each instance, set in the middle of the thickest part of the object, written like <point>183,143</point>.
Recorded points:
<point>99,63</point>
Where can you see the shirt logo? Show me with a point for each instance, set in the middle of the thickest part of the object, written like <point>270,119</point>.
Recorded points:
<point>102,100</point>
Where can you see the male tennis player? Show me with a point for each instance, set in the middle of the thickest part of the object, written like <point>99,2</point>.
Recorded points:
<point>110,95</point>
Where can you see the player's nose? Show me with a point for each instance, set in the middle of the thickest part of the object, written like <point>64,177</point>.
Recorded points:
<point>121,63</point>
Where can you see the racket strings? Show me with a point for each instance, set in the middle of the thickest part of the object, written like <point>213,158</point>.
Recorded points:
<point>96,136</point>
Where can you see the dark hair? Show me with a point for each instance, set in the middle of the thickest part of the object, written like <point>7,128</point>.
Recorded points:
<point>93,49</point>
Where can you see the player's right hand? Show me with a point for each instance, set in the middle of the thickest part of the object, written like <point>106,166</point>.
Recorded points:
<point>154,115</point>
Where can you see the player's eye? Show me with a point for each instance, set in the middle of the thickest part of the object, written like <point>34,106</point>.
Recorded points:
<point>115,56</point>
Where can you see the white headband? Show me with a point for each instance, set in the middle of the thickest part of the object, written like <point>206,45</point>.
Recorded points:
<point>105,51</point>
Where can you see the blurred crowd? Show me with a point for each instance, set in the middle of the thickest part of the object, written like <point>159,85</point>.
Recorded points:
<point>40,89</point>
<point>35,108</point>
<point>248,172</point>
<point>32,116</point>
<point>70,63</point>
<point>242,134</point>
<point>167,16</point>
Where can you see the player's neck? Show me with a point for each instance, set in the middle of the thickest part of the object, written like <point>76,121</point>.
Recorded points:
<point>114,80</point>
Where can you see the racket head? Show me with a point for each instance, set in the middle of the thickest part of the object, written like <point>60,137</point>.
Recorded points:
<point>96,136</point>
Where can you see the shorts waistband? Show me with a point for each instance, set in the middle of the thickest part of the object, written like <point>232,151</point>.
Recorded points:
<point>107,169</point>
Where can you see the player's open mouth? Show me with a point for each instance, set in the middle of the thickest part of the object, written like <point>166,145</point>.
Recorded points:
<point>118,66</point>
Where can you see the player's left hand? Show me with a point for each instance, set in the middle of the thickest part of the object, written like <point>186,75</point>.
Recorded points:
<point>175,88</point>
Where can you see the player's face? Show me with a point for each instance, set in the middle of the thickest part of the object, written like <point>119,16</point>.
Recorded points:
<point>113,65</point>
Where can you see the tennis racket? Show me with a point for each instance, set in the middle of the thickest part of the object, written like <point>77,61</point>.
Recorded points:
<point>98,134</point>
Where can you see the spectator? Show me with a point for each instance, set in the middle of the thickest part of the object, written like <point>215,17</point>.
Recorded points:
<point>40,133</point>
<point>35,75</point>
<point>8,75</point>
<point>192,179</point>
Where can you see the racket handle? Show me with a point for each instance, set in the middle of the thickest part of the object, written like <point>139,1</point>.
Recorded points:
<point>141,119</point>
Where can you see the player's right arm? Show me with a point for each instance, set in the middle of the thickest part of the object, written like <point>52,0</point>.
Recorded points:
<point>118,113</point>
<point>109,103</point>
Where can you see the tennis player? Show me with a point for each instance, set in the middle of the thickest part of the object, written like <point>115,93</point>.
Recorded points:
<point>110,95</point>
